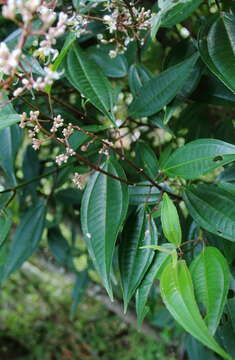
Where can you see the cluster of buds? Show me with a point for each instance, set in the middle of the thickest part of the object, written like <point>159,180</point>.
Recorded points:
<point>105,149</point>
<point>32,132</point>
<point>63,158</point>
<point>78,180</point>
<point>39,84</point>
<point>127,24</point>
<point>26,8</point>
<point>8,61</point>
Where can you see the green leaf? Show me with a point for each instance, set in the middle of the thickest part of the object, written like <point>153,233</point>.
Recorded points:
<point>138,75</point>
<point>221,49</point>
<point>170,221</point>
<point>196,351</point>
<point>90,80</point>
<point>26,238</point>
<point>155,24</point>
<point>210,275</point>
<point>146,159</point>
<point>213,209</point>
<point>230,188</point>
<point>160,260</point>
<point>5,225</point>
<point>81,283</point>
<point>67,45</point>
<point>8,120</point>
<point>140,230</point>
<point>143,194</point>
<point>198,157</point>
<point>216,46</point>
<point>112,67</point>
<point>59,247</point>
<point>103,210</point>
<point>160,90</point>
<point>178,295</point>
<point>10,139</point>
<point>174,12</point>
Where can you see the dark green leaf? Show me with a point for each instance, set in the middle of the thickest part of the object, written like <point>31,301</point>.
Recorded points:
<point>112,67</point>
<point>160,90</point>
<point>210,275</point>
<point>26,238</point>
<point>174,12</point>
<point>59,247</point>
<point>198,157</point>
<point>140,230</point>
<point>104,207</point>
<point>146,159</point>
<point>143,194</point>
<point>160,260</point>
<point>5,225</point>
<point>90,80</point>
<point>81,283</point>
<point>138,75</point>
<point>213,209</point>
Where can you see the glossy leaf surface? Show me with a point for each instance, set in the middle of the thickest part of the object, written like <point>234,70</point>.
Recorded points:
<point>178,295</point>
<point>210,275</point>
<point>213,209</point>
<point>160,260</point>
<point>140,230</point>
<point>104,207</point>
<point>90,80</point>
<point>160,90</point>
<point>170,221</point>
<point>198,157</point>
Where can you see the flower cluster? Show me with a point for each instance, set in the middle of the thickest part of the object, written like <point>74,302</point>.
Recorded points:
<point>8,61</point>
<point>11,61</point>
<point>78,181</point>
<point>48,17</point>
<point>26,8</point>
<point>125,26</point>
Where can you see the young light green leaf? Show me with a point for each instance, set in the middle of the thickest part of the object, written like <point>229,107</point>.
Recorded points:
<point>213,209</point>
<point>198,157</point>
<point>178,295</point>
<point>140,230</point>
<point>160,90</point>
<point>170,221</point>
<point>103,210</point>
<point>89,79</point>
<point>160,260</point>
<point>67,45</point>
<point>210,275</point>
<point>26,239</point>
